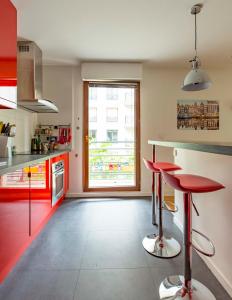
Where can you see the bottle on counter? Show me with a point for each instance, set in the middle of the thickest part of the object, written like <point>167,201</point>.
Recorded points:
<point>13,150</point>
<point>34,144</point>
<point>12,131</point>
<point>39,144</point>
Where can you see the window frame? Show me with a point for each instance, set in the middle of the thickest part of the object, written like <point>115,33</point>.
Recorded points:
<point>85,179</point>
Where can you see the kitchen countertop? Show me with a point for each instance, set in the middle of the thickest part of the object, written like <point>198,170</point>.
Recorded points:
<point>24,160</point>
<point>210,147</point>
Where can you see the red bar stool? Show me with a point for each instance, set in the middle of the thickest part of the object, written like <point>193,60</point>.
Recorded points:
<point>184,287</point>
<point>159,245</point>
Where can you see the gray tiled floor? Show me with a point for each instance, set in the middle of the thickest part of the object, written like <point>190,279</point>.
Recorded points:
<point>91,250</point>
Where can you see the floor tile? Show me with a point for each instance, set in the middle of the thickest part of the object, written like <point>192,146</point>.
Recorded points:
<point>205,276</point>
<point>39,285</point>
<point>113,249</point>
<point>130,284</point>
<point>58,251</point>
<point>112,217</point>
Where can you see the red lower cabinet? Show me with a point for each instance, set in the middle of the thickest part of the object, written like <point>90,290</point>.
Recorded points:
<point>14,233</point>
<point>40,195</point>
<point>25,207</point>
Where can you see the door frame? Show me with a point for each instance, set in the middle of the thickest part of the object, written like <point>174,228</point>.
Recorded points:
<point>85,172</point>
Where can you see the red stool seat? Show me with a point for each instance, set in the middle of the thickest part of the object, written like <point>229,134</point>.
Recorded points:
<point>192,183</point>
<point>159,245</point>
<point>156,167</point>
<point>184,287</point>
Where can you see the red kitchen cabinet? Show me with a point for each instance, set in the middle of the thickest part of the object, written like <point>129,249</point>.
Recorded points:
<point>8,55</point>
<point>14,224</point>
<point>25,207</point>
<point>40,195</point>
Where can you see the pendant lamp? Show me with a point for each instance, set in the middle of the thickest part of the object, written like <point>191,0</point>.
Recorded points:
<point>196,79</point>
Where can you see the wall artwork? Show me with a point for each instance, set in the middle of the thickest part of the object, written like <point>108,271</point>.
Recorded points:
<point>197,115</point>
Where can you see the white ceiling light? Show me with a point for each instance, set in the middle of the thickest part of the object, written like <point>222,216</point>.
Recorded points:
<point>196,79</point>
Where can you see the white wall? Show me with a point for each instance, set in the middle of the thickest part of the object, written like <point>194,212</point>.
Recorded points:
<point>25,124</point>
<point>62,84</point>
<point>160,90</point>
<point>215,209</point>
<point>58,87</point>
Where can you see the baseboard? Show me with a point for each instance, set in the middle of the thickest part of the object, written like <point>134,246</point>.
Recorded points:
<point>107,194</point>
<point>214,269</point>
<point>110,194</point>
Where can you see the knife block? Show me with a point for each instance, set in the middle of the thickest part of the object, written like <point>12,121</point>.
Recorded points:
<point>6,144</point>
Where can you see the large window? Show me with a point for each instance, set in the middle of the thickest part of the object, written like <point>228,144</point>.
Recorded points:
<point>111,154</point>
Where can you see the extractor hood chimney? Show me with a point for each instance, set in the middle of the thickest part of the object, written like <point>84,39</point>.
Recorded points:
<point>30,79</point>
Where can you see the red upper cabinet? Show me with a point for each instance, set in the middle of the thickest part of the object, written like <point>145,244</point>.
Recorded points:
<point>8,55</point>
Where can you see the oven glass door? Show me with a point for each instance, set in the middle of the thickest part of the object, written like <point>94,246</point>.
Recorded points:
<point>58,186</point>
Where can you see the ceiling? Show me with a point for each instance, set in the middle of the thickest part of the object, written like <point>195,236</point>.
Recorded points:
<point>159,32</point>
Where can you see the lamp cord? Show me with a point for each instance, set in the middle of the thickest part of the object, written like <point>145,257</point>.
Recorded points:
<point>196,34</point>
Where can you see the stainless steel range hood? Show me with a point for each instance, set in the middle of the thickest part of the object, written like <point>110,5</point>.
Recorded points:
<point>30,79</point>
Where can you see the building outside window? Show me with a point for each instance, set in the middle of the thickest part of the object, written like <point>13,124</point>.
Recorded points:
<point>112,135</point>
<point>93,134</point>
<point>129,98</point>
<point>93,114</point>
<point>111,114</point>
<point>112,94</point>
<point>129,120</point>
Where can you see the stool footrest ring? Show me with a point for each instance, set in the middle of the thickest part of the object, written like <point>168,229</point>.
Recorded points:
<point>166,207</point>
<point>210,243</point>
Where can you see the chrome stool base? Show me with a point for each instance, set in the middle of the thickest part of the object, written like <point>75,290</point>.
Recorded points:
<point>172,289</point>
<point>170,248</point>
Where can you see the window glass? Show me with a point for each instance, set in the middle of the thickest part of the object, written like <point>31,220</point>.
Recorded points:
<point>93,134</point>
<point>111,114</point>
<point>93,114</point>
<point>92,93</point>
<point>112,135</point>
<point>112,94</point>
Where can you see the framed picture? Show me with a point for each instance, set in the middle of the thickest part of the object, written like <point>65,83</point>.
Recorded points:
<point>197,115</point>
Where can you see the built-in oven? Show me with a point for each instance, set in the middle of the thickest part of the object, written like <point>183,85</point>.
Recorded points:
<point>57,181</point>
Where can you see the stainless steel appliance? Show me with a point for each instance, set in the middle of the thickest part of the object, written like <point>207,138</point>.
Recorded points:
<point>30,79</point>
<point>57,181</point>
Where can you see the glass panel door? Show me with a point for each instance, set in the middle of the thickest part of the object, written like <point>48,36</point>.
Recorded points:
<point>112,136</point>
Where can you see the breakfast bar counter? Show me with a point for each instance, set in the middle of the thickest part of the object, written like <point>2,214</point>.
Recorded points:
<point>214,161</point>
<point>210,147</point>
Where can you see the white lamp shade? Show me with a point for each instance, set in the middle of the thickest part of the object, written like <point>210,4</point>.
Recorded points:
<point>196,80</point>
